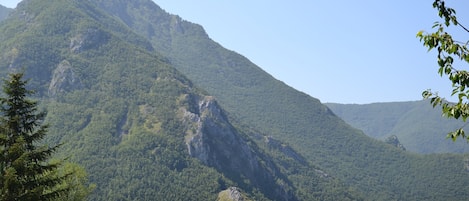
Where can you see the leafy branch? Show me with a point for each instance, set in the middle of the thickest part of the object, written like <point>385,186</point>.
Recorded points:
<point>448,49</point>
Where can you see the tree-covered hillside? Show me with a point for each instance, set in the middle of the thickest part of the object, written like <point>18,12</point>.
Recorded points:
<point>256,99</point>
<point>104,71</point>
<point>141,128</point>
<point>419,127</point>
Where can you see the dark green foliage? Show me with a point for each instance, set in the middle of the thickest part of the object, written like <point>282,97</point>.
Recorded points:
<point>25,173</point>
<point>419,127</point>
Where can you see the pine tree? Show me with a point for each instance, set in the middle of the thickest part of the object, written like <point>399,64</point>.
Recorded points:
<point>25,173</point>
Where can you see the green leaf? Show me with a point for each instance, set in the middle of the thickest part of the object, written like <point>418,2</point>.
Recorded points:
<point>453,48</point>
<point>420,34</point>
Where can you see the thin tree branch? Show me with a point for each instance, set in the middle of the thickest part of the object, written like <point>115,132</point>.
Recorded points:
<point>467,30</point>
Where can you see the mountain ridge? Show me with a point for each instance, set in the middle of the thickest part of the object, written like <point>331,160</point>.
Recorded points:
<point>132,119</point>
<point>139,126</point>
<point>259,100</point>
<point>419,127</point>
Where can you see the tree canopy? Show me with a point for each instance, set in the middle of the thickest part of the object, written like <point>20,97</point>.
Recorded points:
<point>449,49</point>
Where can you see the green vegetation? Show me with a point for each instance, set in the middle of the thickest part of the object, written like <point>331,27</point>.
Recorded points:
<point>416,124</point>
<point>116,106</point>
<point>449,49</point>
<point>26,173</point>
<point>104,71</point>
<point>375,169</point>
<point>376,120</point>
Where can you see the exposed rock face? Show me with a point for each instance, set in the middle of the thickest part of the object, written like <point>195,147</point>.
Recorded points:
<point>88,39</point>
<point>214,141</point>
<point>176,25</point>
<point>231,194</point>
<point>64,79</point>
<point>235,195</point>
<point>394,141</point>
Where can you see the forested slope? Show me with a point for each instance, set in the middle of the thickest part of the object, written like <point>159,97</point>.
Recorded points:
<point>419,127</point>
<point>142,130</point>
<point>258,100</point>
<point>104,70</point>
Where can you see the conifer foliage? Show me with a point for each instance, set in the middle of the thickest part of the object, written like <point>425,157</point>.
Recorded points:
<point>25,173</point>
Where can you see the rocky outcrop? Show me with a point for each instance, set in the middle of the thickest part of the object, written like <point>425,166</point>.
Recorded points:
<point>64,79</point>
<point>88,39</point>
<point>232,194</point>
<point>394,141</point>
<point>214,141</point>
<point>176,25</point>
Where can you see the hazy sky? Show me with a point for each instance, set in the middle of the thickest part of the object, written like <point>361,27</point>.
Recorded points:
<point>358,51</point>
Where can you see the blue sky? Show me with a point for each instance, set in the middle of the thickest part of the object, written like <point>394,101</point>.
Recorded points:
<point>359,51</point>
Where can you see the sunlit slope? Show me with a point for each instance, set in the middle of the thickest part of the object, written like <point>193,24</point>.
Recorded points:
<point>141,128</point>
<point>258,100</point>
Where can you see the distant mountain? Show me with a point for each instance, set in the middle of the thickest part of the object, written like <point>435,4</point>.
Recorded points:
<point>418,126</point>
<point>4,11</point>
<point>154,109</point>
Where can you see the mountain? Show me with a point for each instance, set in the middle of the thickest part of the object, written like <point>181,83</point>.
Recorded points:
<point>256,99</point>
<point>154,109</point>
<point>4,11</point>
<point>142,130</point>
<point>418,126</point>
